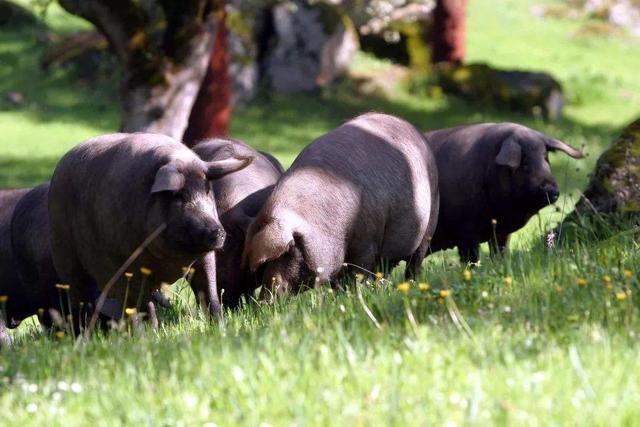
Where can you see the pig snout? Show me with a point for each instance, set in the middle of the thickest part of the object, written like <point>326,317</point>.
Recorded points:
<point>213,236</point>
<point>549,191</point>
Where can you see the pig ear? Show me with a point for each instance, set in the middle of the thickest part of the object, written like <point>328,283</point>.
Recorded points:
<point>510,153</point>
<point>554,144</point>
<point>168,178</point>
<point>219,168</point>
<point>267,244</point>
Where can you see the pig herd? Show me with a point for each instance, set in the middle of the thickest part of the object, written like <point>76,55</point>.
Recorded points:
<point>373,192</point>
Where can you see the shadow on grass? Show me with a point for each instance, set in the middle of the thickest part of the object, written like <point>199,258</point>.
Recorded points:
<point>54,95</point>
<point>282,124</point>
<point>25,172</point>
<point>285,124</point>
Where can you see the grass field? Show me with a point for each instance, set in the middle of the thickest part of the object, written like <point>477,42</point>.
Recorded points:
<point>539,338</point>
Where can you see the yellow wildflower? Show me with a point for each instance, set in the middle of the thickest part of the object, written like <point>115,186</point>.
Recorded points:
<point>145,271</point>
<point>3,299</point>
<point>440,301</point>
<point>128,275</point>
<point>59,334</point>
<point>404,287</point>
<point>63,286</point>
<point>445,293</point>
<point>507,280</point>
<point>130,311</point>
<point>466,275</point>
<point>621,296</point>
<point>606,281</point>
<point>359,277</point>
<point>581,281</point>
<point>379,275</point>
<point>628,274</point>
<point>494,221</point>
<point>423,286</point>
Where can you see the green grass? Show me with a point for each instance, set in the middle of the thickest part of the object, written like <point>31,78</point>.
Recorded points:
<point>541,350</point>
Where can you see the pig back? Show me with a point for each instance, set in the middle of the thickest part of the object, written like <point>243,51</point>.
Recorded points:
<point>246,190</point>
<point>372,178</point>
<point>101,188</point>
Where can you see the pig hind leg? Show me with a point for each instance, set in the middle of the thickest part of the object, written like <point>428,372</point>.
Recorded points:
<point>362,259</point>
<point>414,263</point>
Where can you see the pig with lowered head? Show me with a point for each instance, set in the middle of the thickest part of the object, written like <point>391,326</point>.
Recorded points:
<point>36,292</point>
<point>239,197</point>
<point>364,193</point>
<point>110,193</point>
<point>9,280</point>
<point>491,172</point>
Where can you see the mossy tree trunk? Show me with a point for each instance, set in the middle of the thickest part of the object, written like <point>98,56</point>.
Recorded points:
<point>615,183</point>
<point>448,32</point>
<point>163,47</point>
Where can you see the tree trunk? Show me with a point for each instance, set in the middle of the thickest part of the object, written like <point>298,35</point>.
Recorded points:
<point>161,73</point>
<point>211,113</point>
<point>615,183</point>
<point>612,198</point>
<point>448,37</point>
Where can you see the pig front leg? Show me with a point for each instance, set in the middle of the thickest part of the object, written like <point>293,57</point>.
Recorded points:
<point>500,244</point>
<point>204,284</point>
<point>469,252</point>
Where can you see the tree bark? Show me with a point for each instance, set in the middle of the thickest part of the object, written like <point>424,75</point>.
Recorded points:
<point>161,74</point>
<point>614,186</point>
<point>448,37</point>
<point>211,113</point>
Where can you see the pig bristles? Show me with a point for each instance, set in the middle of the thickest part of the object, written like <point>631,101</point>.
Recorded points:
<point>348,264</point>
<point>123,268</point>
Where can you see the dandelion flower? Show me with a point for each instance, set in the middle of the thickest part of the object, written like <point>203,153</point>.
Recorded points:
<point>128,275</point>
<point>494,221</point>
<point>628,274</point>
<point>621,296</point>
<point>423,286</point>
<point>404,287</point>
<point>130,311</point>
<point>3,299</point>
<point>63,286</point>
<point>445,293</point>
<point>379,275</point>
<point>581,281</point>
<point>59,334</point>
<point>145,271</point>
<point>606,281</point>
<point>466,275</point>
<point>507,280</point>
